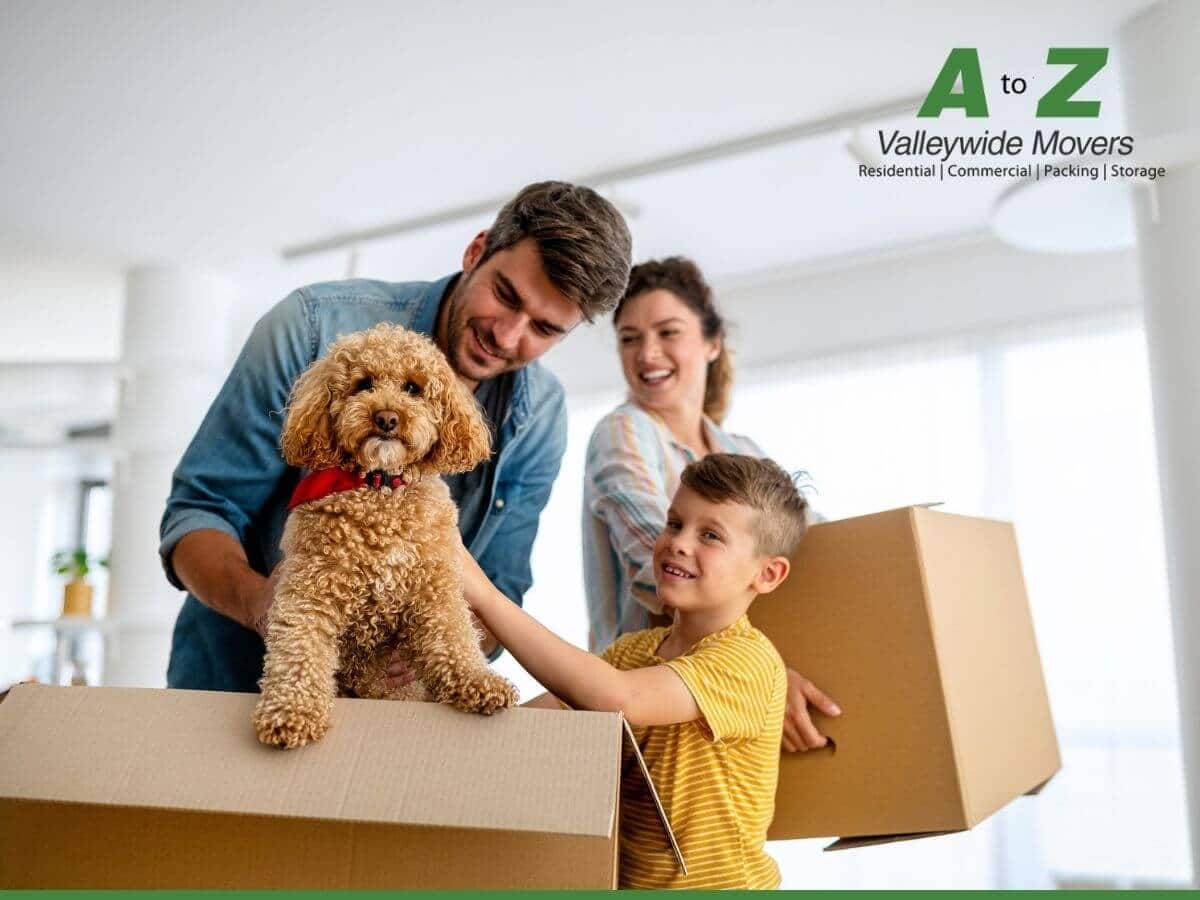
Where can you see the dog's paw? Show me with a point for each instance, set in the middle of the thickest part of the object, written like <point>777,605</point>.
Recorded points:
<point>288,728</point>
<point>491,692</point>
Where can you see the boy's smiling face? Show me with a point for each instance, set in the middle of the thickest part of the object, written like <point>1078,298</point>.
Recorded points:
<point>707,556</point>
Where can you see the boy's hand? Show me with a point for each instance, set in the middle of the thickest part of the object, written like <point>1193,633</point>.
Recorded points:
<point>799,733</point>
<point>399,673</point>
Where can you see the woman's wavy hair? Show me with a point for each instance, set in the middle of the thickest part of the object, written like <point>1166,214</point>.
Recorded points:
<point>683,278</point>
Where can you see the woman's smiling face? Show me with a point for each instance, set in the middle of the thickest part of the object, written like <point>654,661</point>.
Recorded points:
<point>664,354</point>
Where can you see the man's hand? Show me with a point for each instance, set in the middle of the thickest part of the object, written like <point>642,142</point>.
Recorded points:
<point>799,733</point>
<point>259,604</point>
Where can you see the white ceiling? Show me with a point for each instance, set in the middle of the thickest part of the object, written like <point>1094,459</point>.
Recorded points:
<point>217,133</point>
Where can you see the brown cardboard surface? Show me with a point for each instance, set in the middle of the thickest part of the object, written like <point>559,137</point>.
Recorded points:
<point>108,787</point>
<point>916,622</point>
<point>987,651</point>
<point>852,618</point>
<point>401,763</point>
<point>54,845</point>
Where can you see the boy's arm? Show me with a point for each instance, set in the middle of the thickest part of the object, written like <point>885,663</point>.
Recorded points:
<point>543,701</point>
<point>650,696</point>
<point>505,560</point>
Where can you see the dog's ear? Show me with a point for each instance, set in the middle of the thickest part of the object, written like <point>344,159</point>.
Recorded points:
<point>463,438</point>
<point>307,441</point>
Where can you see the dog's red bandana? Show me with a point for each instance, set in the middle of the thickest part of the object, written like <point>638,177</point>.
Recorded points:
<point>323,482</point>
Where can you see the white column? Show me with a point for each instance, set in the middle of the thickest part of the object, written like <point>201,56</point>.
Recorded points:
<point>173,362</point>
<point>1162,101</point>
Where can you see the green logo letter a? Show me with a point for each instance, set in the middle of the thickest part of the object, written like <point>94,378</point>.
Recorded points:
<point>962,61</point>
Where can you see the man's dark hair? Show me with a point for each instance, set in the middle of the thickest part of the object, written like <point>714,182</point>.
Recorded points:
<point>583,240</point>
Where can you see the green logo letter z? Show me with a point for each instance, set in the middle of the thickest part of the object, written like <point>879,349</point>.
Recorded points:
<point>1057,102</point>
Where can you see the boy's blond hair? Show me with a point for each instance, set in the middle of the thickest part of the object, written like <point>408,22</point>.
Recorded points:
<point>760,484</point>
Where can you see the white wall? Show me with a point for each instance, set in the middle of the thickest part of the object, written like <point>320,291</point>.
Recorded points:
<point>781,319</point>
<point>57,308</point>
<point>970,286</point>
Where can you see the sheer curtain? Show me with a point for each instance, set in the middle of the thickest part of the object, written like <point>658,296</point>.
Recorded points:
<point>1054,432</point>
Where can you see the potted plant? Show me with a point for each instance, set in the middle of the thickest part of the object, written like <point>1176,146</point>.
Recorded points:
<point>77,592</point>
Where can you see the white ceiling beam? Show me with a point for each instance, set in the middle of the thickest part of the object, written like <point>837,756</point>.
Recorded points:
<point>607,177</point>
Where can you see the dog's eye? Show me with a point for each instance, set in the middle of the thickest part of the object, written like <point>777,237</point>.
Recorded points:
<point>363,384</point>
<point>411,387</point>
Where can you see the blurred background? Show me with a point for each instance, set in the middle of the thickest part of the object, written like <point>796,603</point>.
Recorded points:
<point>169,171</point>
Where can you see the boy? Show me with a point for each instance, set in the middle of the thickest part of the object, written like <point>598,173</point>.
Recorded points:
<point>706,695</point>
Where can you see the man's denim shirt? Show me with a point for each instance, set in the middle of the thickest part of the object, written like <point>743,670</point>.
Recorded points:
<point>233,478</point>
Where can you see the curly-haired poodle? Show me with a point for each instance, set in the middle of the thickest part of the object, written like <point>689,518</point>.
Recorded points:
<point>370,547</point>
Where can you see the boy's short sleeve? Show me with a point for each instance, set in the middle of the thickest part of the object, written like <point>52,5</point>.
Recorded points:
<point>734,682</point>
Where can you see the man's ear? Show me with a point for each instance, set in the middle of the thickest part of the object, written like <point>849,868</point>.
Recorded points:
<point>474,251</point>
<point>771,574</point>
<point>463,437</point>
<point>307,440</point>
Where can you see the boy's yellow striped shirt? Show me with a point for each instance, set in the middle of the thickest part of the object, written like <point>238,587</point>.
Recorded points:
<point>716,776</point>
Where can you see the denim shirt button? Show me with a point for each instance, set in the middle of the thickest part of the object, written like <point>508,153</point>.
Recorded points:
<point>499,503</point>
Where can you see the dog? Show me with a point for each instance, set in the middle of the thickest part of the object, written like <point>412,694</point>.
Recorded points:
<point>371,544</point>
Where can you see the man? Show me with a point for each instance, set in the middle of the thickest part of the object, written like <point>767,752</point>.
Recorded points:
<point>557,254</point>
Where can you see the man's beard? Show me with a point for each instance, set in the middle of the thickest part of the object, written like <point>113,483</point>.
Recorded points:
<point>458,333</point>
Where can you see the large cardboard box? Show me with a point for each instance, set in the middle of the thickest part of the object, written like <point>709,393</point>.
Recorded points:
<point>917,623</point>
<point>915,620</point>
<point>112,787</point>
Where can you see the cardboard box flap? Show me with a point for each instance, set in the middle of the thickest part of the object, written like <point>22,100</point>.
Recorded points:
<point>662,813</point>
<point>1037,789</point>
<point>523,770</point>
<point>875,840</point>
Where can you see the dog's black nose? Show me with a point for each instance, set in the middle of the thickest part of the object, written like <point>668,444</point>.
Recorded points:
<point>386,420</point>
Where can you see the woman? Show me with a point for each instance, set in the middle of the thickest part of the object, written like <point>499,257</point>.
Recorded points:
<point>671,340</point>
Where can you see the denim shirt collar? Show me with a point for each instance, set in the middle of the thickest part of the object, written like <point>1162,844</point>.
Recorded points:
<point>425,321</point>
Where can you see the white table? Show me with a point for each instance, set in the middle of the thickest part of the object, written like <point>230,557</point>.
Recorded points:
<point>65,629</point>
